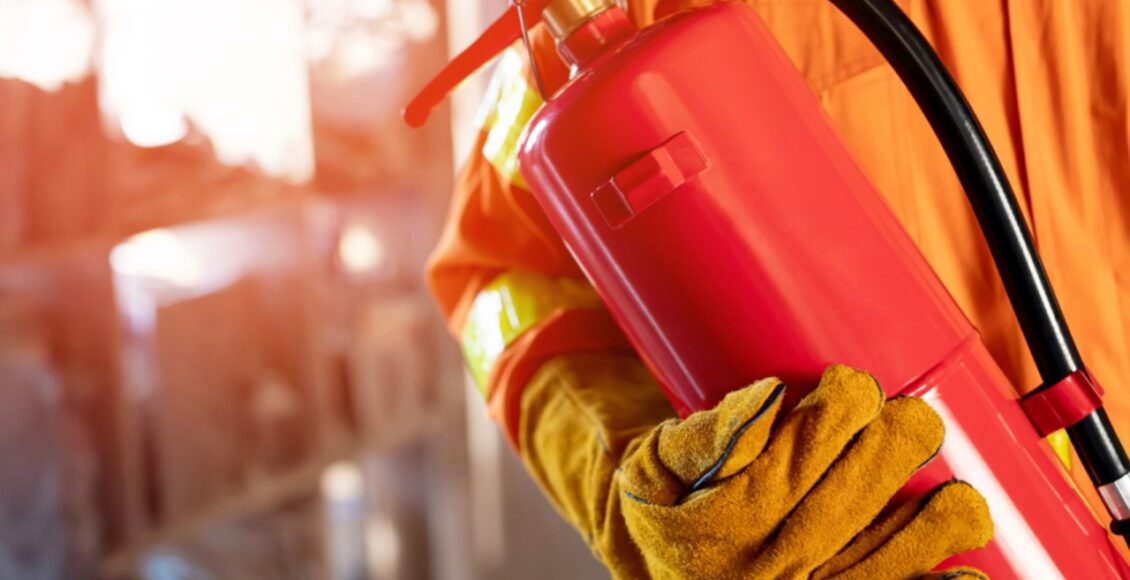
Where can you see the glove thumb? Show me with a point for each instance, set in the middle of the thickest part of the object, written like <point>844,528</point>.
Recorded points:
<point>681,457</point>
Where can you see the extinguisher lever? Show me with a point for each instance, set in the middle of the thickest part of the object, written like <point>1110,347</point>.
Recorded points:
<point>508,29</point>
<point>1007,234</point>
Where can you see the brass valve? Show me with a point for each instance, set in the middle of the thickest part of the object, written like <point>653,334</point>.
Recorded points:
<point>564,16</point>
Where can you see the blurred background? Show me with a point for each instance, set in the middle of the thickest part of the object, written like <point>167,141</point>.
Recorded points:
<point>217,356</point>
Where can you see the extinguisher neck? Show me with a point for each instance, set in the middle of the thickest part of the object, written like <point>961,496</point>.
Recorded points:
<point>594,37</point>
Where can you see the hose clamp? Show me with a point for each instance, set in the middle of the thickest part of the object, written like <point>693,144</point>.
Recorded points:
<point>1063,404</point>
<point>1116,497</point>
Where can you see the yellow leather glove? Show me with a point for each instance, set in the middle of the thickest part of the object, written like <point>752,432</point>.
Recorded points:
<point>730,493</point>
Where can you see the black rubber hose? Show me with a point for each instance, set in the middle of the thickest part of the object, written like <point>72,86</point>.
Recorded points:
<point>998,213</point>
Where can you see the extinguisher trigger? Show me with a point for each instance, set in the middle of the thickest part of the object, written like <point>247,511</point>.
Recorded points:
<point>649,179</point>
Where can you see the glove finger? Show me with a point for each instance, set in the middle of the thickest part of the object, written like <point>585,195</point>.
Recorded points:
<point>681,457</point>
<point>871,538</point>
<point>960,573</point>
<point>808,441</point>
<point>954,519</point>
<point>855,489</point>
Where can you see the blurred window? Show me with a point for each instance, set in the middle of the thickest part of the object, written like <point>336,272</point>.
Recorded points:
<point>358,37</point>
<point>45,42</point>
<point>234,69</point>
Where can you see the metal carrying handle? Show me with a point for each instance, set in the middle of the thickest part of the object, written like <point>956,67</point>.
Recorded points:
<point>521,9</point>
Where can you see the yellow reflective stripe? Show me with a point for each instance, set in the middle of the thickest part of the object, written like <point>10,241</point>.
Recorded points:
<point>1061,444</point>
<point>488,108</point>
<point>509,105</point>
<point>510,305</point>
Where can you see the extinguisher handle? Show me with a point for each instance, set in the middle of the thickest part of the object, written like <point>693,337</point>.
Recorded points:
<point>506,30</point>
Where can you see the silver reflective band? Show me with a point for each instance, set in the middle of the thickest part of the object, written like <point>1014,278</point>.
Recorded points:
<point>1116,496</point>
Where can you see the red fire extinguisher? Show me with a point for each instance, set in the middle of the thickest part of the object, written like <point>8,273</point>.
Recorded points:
<point>703,192</point>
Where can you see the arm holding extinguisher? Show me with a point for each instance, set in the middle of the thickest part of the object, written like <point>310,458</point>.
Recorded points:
<point>741,490</point>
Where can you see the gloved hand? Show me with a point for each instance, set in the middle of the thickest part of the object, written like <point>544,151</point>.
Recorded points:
<point>725,494</point>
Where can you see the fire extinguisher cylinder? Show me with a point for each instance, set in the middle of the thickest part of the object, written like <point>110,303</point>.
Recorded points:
<point>701,188</point>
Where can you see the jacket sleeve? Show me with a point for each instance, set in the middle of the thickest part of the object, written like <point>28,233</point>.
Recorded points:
<point>510,291</point>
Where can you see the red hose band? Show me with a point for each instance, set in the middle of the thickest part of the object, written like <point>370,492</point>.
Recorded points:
<point>1064,403</point>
